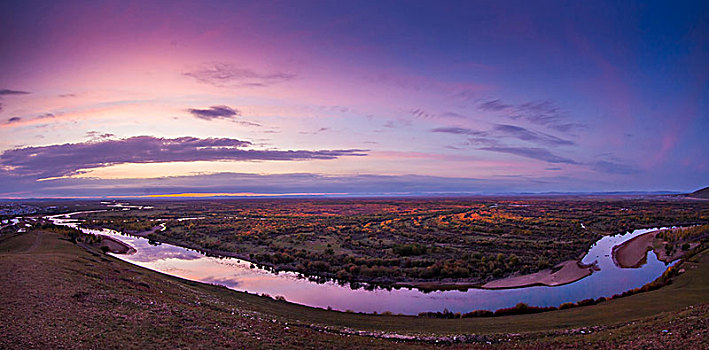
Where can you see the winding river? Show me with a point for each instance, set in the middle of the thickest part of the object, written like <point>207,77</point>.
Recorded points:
<point>238,275</point>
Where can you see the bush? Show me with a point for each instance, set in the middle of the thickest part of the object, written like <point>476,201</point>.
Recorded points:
<point>523,308</point>
<point>479,313</point>
<point>566,306</point>
<point>409,249</point>
<point>586,302</point>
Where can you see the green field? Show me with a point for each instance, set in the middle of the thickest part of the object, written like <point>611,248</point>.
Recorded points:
<point>58,294</point>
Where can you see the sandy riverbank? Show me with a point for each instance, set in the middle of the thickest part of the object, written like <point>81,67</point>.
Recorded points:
<point>563,273</point>
<point>633,253</point>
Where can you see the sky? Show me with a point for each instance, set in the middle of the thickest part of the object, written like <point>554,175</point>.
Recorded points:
<point>196,98</point>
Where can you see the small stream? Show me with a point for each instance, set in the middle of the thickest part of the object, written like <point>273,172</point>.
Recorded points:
<point>238,275</point>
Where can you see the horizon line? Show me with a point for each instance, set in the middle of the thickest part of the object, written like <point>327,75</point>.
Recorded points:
<point>207,195</point>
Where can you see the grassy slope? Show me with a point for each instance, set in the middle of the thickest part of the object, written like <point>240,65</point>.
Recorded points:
<point>703,193</point>
<point>57,294</point>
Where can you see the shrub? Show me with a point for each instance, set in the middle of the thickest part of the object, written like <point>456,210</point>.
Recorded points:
<point>566,306</point>
<point>409,249</point>
<point>479,313</point>
<point>586,302</point>
<point>523,308</point>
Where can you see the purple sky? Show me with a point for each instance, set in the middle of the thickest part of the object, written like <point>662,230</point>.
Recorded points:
<point>125,98</point>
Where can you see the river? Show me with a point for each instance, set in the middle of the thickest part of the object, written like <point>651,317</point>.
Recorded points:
<point>238,275</point>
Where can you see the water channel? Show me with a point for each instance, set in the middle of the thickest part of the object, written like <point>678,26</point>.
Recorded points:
<point>239,275</point>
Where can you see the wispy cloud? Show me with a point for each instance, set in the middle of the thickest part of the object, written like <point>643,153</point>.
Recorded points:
<point>611,167</point>
<point>72,158</point>
<point>547,114</point>
<point>523,134</point>
<point>483,138</point>
<point>543,113</point>
<point>323,129</point>
<point>8,92</point>
<point>226,74</point>
<point>96,136</point>
<point>4,92</point>
<point>422,114</point>
<point>215,112</point>
<point>420,83</point>
<point>460,131</point>
<point>494,105</point>
<point>46,116</point>
<point>14,120</point>
<point>505,131</point>
<point>531,152</point>
<point>494,141</point>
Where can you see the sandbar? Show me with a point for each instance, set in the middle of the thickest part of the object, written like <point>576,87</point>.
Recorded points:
<point>633,253</point>
<point>563,273</point>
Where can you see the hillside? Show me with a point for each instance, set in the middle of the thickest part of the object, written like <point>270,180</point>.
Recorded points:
<point>703,193</point>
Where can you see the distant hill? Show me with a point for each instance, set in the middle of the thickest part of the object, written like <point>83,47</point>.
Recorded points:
<point>703,193</point>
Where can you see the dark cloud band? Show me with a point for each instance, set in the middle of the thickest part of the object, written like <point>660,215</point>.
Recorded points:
<point>71,158</point>
<point>4,92</point>
<point>215,112</point>
<point>531,152</point>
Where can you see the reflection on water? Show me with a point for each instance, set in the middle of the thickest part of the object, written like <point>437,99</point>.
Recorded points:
<point>238,275</point>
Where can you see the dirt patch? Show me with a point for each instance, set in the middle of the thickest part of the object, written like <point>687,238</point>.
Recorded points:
<point>563,273</point>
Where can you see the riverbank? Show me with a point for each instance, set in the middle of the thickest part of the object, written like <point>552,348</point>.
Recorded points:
<point>633,253</point>
<point>564,273</point>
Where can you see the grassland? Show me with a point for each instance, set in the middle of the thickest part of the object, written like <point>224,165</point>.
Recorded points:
<point>57,294</point>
